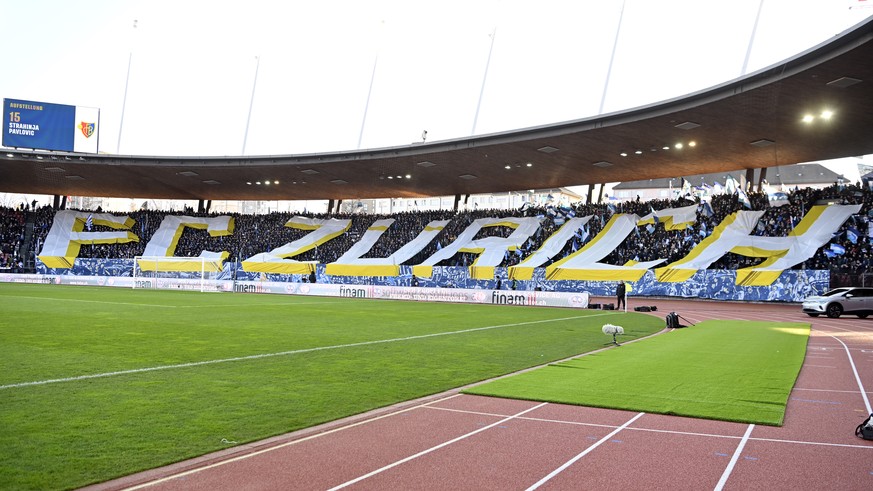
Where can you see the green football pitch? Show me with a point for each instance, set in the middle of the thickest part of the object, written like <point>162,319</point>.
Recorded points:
<point>96,383</point>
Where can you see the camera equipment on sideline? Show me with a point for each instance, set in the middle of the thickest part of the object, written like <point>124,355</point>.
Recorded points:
<point>865,429</point>
<point>673,321</point>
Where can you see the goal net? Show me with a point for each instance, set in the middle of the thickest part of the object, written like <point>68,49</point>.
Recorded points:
<point>178,273</point>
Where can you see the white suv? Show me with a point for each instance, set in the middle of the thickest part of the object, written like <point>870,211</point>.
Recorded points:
<point>848,300</point>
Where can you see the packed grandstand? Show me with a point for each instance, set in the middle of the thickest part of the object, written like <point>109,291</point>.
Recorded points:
<point>843,256</point>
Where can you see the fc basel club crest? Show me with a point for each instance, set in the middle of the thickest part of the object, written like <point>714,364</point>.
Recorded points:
<point>87,128</point>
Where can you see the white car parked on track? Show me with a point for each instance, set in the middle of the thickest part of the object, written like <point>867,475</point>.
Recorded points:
<point>848,300</point>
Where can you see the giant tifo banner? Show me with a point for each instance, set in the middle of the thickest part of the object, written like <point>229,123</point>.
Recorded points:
<point>45,126</point>
<point>682,277</point>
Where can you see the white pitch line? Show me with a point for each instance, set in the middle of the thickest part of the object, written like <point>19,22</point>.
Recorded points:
<point>281,353</point>
<point>90,301</point>
<point>285,304</point>
<point>730,467</point>
<point>434,448</point>
<point>272,304</point>
<point>585,452</point>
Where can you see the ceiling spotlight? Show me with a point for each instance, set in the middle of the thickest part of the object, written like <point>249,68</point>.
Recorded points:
<point>665,147</point>
<point>409,176</point>
<point>507,166</point>
<point>258,183</point>
<point>275,182</point>
<point>399,177</point>
<point>266,183</point>
<point>623,154</point>
<point>826,114</point>
<point>529,164</point>
<point>390,177</point>
<point>639,152</point>
<point>692,143</point>
<point>678,145</point>
<point>249,183</point>
<point>10,155</point>
<point>808,118</point>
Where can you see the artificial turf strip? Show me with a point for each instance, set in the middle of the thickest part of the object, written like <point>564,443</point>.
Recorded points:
<point>345,356</point>
<point>738,371</point>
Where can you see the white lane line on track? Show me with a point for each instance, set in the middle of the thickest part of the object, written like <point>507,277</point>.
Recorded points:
<point>282,445</point>
<point>585,452</point>
<point>857,377</point>
<point>666,432</point>
<point>736,456</point>
<point>826,390</point>
<point>282,353</point>
<point>432,449</point>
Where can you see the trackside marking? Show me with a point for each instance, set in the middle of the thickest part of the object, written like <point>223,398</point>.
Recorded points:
<point>653,430</point>
<point>282,445</point>
<point>730,467</point>
<point>585,452</point>
<point>281,353</point>
<point>432,449</point>
<point>855,371</point>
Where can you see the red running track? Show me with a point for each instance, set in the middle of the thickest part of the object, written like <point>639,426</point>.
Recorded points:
<point>456,441</point>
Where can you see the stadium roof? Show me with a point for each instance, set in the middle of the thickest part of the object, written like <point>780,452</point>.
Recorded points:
<point>783,175</point>
<point>751,122</point>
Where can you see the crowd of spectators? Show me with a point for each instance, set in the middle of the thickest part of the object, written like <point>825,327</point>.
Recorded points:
<point>11,237</point>
<point>254,234</point>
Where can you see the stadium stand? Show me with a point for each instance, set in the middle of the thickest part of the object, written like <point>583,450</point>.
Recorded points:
<point>257,233</point>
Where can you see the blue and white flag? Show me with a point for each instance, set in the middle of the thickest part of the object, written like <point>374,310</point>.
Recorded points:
<point>852,234</point>
<point>838,249</point>
<point>744,199</point>
<point>89,222</point>
<point>730,184</point>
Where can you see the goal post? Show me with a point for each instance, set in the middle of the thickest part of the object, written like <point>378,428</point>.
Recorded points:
<point>178,273</point>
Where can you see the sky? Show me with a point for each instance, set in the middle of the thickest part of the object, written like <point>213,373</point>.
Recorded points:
<point>225,78</point>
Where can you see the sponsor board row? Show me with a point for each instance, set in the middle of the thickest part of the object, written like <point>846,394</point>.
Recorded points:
<point>421,294</point>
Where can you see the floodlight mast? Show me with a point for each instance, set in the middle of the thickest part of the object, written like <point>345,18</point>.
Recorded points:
<point>484,79</point>
<point>251,103</point>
